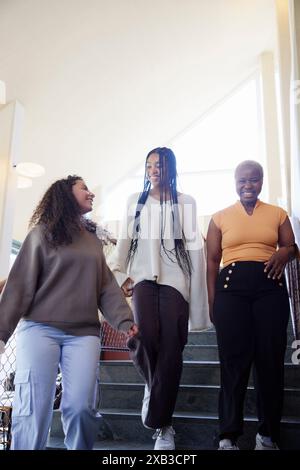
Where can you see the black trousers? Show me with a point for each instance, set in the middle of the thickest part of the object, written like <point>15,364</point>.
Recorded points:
<point>162,316</point>
<point>251,314</point>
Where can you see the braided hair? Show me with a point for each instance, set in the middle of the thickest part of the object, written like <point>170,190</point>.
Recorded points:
<point>59,213</point>
<point>168,189</point>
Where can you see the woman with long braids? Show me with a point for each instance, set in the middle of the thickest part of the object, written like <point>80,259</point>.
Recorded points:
<point>59,324</point>
<point>159,260</point>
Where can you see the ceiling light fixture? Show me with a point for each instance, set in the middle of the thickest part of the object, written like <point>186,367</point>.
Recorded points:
<point>30,170</point>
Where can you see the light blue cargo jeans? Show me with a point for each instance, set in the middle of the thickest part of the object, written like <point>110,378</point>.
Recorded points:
<point>41,349</point>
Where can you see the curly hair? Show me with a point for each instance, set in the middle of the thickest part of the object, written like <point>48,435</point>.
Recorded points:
<point>59,213</point>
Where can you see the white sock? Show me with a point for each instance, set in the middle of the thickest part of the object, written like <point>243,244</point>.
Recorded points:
<point>266,439</point>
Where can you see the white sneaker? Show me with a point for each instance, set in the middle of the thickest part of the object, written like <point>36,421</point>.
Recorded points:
<point>227,444</point>
<point>145,405</point>
<point>265,443</point>
<point>164,438</point>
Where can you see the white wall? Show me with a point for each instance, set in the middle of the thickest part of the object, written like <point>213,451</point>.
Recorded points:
<point>102,82</point>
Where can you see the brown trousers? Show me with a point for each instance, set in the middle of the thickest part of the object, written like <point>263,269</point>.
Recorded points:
<point>162,316</point>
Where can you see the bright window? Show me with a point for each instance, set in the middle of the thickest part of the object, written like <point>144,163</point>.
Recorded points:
<point>208,153</point>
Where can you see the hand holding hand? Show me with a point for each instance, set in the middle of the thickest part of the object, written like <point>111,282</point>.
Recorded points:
<point>127,287</point>
<point>133,339</point>
<point>133,331</point>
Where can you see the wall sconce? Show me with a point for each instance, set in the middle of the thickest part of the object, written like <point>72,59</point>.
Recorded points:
<point>30,170</point>
<point>26,171</point>
<point>23,182</point>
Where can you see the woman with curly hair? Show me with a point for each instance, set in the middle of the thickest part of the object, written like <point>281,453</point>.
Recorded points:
<point>159,260</point>
<point>59,321</point>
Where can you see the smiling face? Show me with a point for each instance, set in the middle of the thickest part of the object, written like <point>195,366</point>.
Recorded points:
<point>249,181</point>
<point>83,196</point>
<point>153,169</point>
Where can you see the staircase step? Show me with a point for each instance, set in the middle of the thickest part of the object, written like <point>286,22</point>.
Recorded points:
<point>193,373</point>
<point>193,352</point>
<point>209,337</point>
<point>57,443</point>
<point>193,431</point>
<point>195,418</point>
<point>202,337</point>
<point>191,398</point>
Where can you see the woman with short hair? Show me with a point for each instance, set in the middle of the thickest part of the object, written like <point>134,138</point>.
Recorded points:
<point>249,305</point>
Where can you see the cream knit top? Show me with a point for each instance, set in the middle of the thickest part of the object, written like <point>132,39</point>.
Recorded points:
<point>150,262</point>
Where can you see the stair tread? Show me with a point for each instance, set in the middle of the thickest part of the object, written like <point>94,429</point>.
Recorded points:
<point>204,363</point>
<point>106,444</point>
<point>189,415</point>
<point>190,346</point>
<point>186,386</point>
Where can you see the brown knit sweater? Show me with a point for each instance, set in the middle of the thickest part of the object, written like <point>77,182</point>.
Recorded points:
<point>62,287</point>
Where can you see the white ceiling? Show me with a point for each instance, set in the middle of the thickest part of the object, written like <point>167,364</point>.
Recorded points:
<point>104,81</point>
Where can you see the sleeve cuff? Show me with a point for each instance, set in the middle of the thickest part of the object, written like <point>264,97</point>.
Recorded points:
<point>120,277</point>
<point>2,346</point>
<point>126,325</point>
